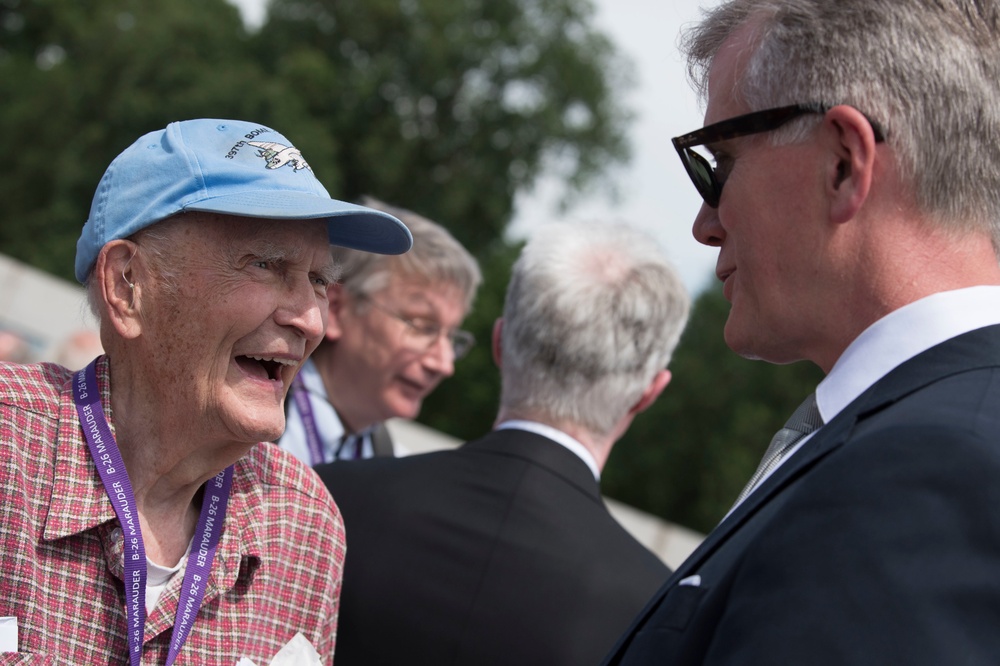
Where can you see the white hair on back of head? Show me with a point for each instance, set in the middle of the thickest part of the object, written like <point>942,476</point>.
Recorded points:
<point>593,311</point>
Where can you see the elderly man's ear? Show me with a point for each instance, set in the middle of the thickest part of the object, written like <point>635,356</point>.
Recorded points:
<point>118,287</point>
<point>337,298</point>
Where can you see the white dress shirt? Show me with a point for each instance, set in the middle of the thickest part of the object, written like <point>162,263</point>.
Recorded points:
<point>328,424</point>
<point>895,339</point>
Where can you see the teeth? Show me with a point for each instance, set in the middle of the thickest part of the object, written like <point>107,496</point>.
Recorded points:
<point>280,361</point>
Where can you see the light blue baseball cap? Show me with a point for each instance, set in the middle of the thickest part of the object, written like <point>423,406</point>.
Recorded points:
<point>223,166</point>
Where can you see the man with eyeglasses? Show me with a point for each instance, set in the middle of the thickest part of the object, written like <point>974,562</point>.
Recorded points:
<point>502,552</point>
<point>392,336</point>
<point>850,171</point>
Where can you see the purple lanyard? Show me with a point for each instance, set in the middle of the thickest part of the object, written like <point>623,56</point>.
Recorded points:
<point>301,395</point>
<point>111,468</point>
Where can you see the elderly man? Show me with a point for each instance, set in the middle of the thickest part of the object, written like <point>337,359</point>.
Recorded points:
<point>854,204</point>
<point>392,336</point>
<point>140,521</point>
<point>502,552</point>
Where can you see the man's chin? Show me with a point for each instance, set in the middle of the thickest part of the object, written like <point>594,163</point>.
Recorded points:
<point>253,430</point>
<point>761,349</point>
<point>408,409</point>
<point>737,340</point>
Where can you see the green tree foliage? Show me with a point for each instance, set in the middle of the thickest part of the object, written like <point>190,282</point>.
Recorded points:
<point>450,107</point>
<point>81,81</point>
<point>688,456</point>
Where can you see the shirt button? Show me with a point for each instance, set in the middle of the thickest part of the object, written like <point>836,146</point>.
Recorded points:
<point>116,534</point>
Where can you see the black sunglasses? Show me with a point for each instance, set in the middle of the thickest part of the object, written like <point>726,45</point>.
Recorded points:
<point>702,173</point>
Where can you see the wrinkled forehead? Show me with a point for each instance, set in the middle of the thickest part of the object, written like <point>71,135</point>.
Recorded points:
<point>203,235</point>
<point>423,293</point>
<point>219,230</point>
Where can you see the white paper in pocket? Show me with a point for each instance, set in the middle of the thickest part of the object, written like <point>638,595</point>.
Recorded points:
<point>8,634</point>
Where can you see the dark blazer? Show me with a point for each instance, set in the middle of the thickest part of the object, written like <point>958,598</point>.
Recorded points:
<point>877,543</point>
<point>499,552</point>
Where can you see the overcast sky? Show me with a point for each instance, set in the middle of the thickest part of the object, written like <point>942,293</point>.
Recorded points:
<point>655,193</point>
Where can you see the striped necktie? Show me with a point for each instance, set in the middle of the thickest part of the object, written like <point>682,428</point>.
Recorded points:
<point>803,421</point>
<point>351,447</point>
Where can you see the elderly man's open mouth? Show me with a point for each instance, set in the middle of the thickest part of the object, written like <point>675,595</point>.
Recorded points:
<point>264,367</point>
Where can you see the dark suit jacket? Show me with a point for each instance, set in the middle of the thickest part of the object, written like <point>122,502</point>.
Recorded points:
<point>500,552</point>
<point>877,543</point>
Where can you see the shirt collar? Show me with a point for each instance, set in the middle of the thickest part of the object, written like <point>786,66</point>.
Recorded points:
<point>80,502</point>
<point>557,436</point>
<point>331,429</point>
<point>320,400</point>
<point>901,335</point>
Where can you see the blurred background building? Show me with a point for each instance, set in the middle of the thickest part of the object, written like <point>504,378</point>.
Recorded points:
<point>44,318</point>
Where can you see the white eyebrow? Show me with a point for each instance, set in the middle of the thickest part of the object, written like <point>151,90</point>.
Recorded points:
<point>272,252</point>
<point>331,271</point>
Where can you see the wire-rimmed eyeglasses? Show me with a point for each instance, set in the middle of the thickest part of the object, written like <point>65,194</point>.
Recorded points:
<point>423,333</point>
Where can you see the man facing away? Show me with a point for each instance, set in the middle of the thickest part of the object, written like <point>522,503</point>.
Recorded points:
<point>140,521</point>
<point>502,551</point>
<point>854,204</point>
<point>392,336</point>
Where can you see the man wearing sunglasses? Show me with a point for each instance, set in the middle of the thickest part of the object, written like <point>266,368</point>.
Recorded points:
<point>392,336</point>
<point>850,171</point>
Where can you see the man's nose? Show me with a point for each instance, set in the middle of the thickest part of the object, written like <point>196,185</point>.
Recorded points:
<point>707,229</point>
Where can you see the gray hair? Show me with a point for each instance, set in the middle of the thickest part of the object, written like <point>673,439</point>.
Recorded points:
<point>154,243</point>
<point>926,70</point>
<point>592,313</point>
<point>436,257</point>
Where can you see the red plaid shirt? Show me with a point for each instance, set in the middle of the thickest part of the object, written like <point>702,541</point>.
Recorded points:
<point>277,570</point>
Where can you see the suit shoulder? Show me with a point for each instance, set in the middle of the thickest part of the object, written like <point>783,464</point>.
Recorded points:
<point>383,466</point>
<point>959,409</point>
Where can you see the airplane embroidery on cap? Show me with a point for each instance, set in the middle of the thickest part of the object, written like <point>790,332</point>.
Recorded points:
<point>278,155</point>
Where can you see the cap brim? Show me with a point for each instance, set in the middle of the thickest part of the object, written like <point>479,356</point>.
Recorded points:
<point>349,225</point>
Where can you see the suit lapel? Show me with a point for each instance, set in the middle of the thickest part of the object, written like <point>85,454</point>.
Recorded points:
<point>973,350</point>
<point>976,349</point>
